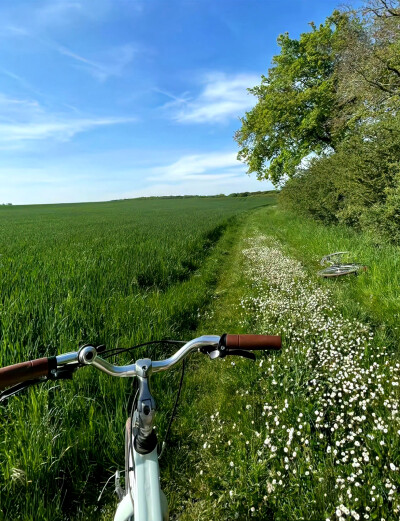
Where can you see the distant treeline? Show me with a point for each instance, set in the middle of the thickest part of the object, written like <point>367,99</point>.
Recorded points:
<point>236,194</point>
<point>327,122</point>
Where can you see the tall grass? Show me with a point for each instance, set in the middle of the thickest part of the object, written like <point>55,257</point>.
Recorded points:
<point>372,296</point>
<point>247,442</point>
<point>114,273</point>
<point>311,433</point>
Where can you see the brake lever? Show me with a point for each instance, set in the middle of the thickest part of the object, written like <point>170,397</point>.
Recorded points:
<point>240,352</point>
<point>213,353</point>
<point>15,389</point>
<point>64,372</point>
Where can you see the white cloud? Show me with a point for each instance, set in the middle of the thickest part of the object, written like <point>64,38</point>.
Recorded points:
<point>23,120</point>
<point>223,97</point>
<point>50,14</point>
<point>15,30</point>
<point>20,177</point>
<point>16,109</point>
<point>57,11</point>
<point>12,75</point>
<point>87,177</point>
<point>200,166</point>
<point>59,130</point>
<point>241,183</point>
<point>202,174</point>
<point>62,12</point>
<point>107,62</point>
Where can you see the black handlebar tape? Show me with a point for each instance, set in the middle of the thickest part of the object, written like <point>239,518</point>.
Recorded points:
<point>253,342</point>
<point>17,373</point>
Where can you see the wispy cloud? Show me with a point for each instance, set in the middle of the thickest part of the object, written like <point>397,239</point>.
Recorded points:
<point>58,10</point>
<point>202,174</point>
<point>13,109</point>
<point>13,76</point>
<point>211,166</point>
<point>19,177</point>
<point>182,99</point>
<point>196,187</point>
<point>23,120</point>
<point>62,130</point>
<point>49,13</point>
<point>113,63</point>
<point>16,30</point>
<point>222,98</point>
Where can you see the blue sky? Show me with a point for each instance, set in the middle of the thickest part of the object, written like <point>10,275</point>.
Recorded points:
<point>111,99</point>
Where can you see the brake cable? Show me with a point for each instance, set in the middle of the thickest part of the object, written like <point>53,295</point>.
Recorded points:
<point>164,443</point>
<point>113,352</point>
<point>11,391</point>
<point>120,350</point>
<point>67,371</point>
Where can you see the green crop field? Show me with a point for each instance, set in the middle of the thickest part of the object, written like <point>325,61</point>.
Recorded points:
<point>113,273</point>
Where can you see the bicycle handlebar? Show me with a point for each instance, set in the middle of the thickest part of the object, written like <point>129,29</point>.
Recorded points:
<point>87,355</point>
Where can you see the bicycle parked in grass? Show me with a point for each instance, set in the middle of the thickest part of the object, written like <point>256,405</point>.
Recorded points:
<point>142,498</point>
<point>336,267</point>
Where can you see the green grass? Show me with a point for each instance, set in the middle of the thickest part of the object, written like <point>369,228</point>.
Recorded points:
<point>220,466</point>
<point>373,296</point>
<point>115,273</point>
<point>57,444</point>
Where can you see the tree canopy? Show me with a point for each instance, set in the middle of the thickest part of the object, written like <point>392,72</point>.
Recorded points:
<point>327,121</point>
<point>296,105</point>
<point>358,182</point>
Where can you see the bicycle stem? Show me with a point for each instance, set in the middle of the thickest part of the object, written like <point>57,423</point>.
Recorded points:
<point>146,405</point>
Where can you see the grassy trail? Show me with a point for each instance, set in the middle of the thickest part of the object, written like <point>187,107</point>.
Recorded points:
<point>312,433</point>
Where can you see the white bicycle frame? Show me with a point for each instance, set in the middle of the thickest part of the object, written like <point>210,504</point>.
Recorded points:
<point>146,500</point>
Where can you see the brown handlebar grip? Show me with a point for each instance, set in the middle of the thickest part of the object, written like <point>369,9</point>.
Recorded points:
<point>14,374</point>
<point>253,342</point>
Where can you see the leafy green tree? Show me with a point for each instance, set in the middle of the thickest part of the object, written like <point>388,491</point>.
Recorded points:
<point>328,118</point>
<point>296,103</point>
<point>368,70</point>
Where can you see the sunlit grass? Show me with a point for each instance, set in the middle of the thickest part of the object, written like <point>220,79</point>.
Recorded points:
<point>226,457</point>
<point>310,433</point>
<point>108,273</point>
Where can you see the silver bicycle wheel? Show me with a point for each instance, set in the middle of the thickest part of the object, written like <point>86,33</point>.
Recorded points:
<point>340,270</point>
<point>334,259</point>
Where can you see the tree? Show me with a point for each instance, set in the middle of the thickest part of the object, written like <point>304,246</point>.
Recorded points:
<point>368,70</point>
<point>358,182</point>
<point>296,104</point>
